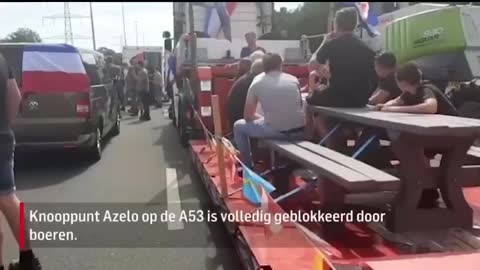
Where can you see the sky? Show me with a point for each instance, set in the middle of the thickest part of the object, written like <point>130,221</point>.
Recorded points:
<point>152,19</point>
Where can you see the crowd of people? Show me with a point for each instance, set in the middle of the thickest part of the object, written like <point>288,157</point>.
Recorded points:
<point>140,86</point>
<point>265,102</point>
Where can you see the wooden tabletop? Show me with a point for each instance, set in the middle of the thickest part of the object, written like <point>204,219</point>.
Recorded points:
<point>421,124</point>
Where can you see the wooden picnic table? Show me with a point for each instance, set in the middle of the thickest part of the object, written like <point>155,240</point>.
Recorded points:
<point>410,134</point>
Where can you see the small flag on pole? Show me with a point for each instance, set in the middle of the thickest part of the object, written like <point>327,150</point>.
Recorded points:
<point>269,206</point>
<point>252,183</point>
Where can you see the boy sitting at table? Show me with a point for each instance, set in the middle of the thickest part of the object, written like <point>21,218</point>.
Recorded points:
<point>387,88</point>
<point>418,97</point>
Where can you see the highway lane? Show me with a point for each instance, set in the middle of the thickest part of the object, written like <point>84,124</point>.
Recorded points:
<point>135,168</point>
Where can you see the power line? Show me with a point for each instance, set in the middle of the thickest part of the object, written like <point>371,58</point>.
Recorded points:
<point>124,31</point>
<point>68,23</point>
<point>67,17</point>
<point>93,27</point>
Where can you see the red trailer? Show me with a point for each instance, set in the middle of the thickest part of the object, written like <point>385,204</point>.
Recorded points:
<point>201,88</point>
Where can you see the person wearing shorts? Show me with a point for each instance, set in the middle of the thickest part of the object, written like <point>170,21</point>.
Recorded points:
<point>9,203</point>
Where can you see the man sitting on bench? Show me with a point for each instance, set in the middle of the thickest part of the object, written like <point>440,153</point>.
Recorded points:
<point>279,96</point>
<point>239,90</point>
<point>418,97</point>
<point>387,89</point>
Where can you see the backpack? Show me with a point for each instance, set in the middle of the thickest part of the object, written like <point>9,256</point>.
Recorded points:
<point>444,102</point>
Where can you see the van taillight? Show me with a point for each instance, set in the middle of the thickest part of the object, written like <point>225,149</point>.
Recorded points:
<point>83,108</point>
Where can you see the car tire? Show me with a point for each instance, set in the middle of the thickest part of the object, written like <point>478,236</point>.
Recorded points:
<point>116,127</point>
<point>94,152</point>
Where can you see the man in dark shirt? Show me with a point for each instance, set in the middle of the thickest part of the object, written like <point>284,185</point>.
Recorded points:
<point>115,73</point>
<point>251,39</point>
<point>238,93</point>
<point>387,89</point>
<point>417,96</point>
<point>351,66</point>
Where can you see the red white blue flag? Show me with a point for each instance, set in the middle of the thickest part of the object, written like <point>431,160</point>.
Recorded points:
<point>53,68</point>
<point>218,19</point>
<point>368,16</point>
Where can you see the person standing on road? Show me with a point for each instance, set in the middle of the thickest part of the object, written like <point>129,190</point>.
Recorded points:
<point>115,74</point>
<point>131,81</point>
<point>9,203</point>
<point>158,85</point>
<point>143,88</point>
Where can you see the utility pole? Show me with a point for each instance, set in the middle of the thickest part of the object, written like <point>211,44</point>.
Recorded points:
<point>124,32</point>
<point>136,32</point>
<point>67,16</point>
<point>68,23</point>
<point>93,27</point>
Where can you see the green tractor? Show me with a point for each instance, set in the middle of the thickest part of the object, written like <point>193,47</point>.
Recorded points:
<point>445,44</point>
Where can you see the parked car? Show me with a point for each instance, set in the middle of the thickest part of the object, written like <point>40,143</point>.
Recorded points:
<point>68,99</point>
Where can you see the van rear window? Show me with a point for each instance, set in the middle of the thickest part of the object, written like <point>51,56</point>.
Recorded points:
<point>14,57</point>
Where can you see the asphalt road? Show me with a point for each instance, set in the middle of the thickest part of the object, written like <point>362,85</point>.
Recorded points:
<point>133,169</point>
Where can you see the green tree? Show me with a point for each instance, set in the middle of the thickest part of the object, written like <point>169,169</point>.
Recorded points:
<point>23,35</point>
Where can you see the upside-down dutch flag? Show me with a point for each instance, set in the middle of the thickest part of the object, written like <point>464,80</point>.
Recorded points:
<point>53,68</point>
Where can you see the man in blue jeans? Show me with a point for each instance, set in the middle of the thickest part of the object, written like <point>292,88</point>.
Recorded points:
<point>279,96</point>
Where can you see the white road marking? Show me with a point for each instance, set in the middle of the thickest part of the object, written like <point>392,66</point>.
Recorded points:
<point>173,199</point>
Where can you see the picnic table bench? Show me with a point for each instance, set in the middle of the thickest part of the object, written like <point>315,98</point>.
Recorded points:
<point>410,134</point>
<point>352,175</point>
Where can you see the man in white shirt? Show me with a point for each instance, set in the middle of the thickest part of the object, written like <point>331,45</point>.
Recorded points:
<point>279,95</point>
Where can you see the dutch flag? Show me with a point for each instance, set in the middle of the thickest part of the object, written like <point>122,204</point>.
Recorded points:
<point>53,68</point>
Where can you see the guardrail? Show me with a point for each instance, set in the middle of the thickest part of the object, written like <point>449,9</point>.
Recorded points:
<point>305,44</point>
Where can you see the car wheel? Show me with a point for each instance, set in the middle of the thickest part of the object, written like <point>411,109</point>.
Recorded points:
<point>116,127</point>
<point>94,152</point>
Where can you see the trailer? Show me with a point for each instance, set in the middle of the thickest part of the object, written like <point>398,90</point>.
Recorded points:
<point>202,81</point>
